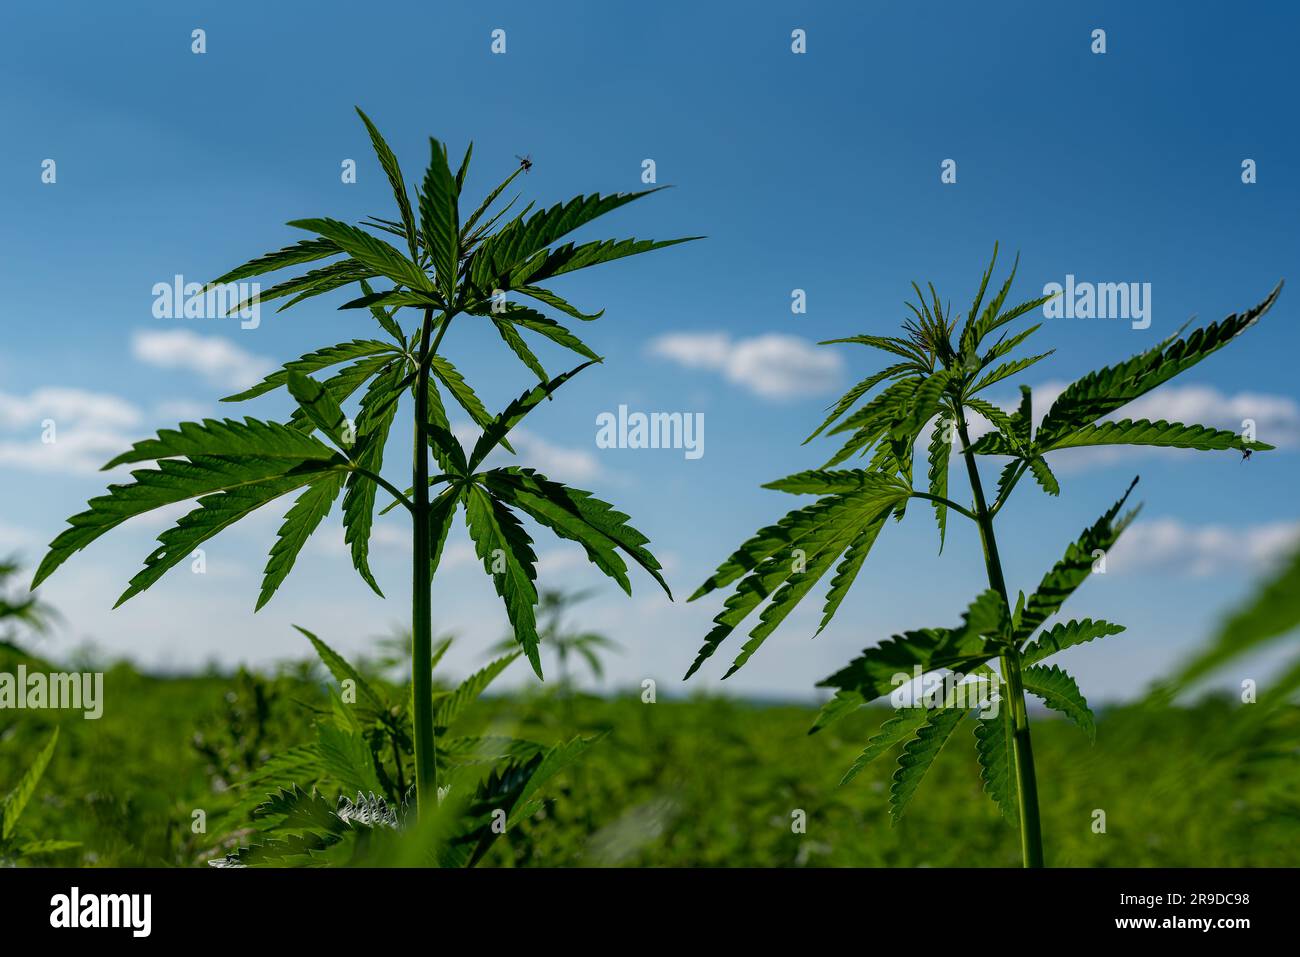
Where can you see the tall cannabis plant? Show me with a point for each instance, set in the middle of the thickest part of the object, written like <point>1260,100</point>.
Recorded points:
<point>447,264</point>
<point>939,375</point>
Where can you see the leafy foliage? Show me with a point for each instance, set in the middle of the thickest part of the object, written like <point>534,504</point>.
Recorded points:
<point>17,844</point>
<point>927,398</point>
<point>445,264</point>
<point>344,799</point>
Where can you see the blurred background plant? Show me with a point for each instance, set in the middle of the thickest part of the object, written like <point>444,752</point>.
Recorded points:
<point>1202,780</point>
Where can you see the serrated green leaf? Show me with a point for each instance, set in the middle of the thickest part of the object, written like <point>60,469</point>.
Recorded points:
<point>570,257</point>
<point>393,170</point>
<point>511,337</point>
<point>369,250</point>
<point>534,321</point>
<point>549,298</point>
<point>559,758</point>
<point>901,726</point>
<point>468,691</point>
<point>919,754</point>
<point>1069,573</point>
<point>16,801</point>
<point>1105,391</point>
<point>871,674</point>
<point>938,454</point>
<point>342,671</point>
<point>313,362</point>
<point>1064,635</point>
<point>440,219</point>
<point>564,508</point>
<point>1060,693</point>
<point>507,555</point>
<point>1161,433</point>
<point>372,426</point>
<point>995,749</point>
<point>215,513</point>
<point>507,249</point>
<point>858,391</point>
<point>1043,475</point>
<point>321,408</point>
<point>303,251</point>
<point>303,518</point>
<point>848,569</point>
<point>512,414</point>
<point>460,390</point>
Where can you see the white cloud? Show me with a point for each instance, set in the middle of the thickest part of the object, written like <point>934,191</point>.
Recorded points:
<point>1168,545</point>
<point>64,430</point>
<point>215,358</point>
<point>66,406</point>
<point>559,462</point>
<point>15,539</point>
<point>177,410</point>
<point>79,451</point>
<point>772,365</point>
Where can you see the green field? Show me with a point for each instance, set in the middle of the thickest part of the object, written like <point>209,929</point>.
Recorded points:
<point>697,782</point>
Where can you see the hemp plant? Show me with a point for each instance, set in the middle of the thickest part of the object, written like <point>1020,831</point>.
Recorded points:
<point>447,264</point>
<point>939,375</point>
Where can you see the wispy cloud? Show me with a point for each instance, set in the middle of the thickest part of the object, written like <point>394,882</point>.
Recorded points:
<point>215,358</point>
<point>772,365</point>
<point>64,430</point>
<point>1171,546</point>
<point>63,405</point>
<point>559,462</point>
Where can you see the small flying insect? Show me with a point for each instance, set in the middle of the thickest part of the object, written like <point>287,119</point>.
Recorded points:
<point>525,162</point>
<point>1245,454</point>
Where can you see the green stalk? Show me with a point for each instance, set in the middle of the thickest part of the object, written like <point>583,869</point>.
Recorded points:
<point>1031,836</point>
<point>426,768</point>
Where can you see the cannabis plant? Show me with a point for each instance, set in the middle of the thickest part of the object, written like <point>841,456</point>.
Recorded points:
<point>345,798</point>
<point>17,844</point>
<point>20,610</point>
<point>564,643</point>
<point>941,374</point>
<point>447,263</point>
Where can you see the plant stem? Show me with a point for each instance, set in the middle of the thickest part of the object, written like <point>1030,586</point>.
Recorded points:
<point>426,768</point>
<point>1031,837</point>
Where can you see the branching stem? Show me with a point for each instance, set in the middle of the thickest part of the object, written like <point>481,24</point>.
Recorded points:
<point>426,768</point>
<point>1031,837</point>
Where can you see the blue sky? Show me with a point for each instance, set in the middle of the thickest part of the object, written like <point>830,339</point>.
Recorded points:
<point>818,171</point>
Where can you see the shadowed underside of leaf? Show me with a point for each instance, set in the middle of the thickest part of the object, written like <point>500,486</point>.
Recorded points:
<point>1065,635</point>
<point>507,555</point>
<point>899,728</point>
<point>378,408</point>
<point>1106,390</point>
<point>788,558</point>
<point>919,754</point>
<point>871,674</point>
<point>578,515</point>
<point>1060,693</point>
<point>308,511</point>
<point>995,748</point>
<point>1069,573</point>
